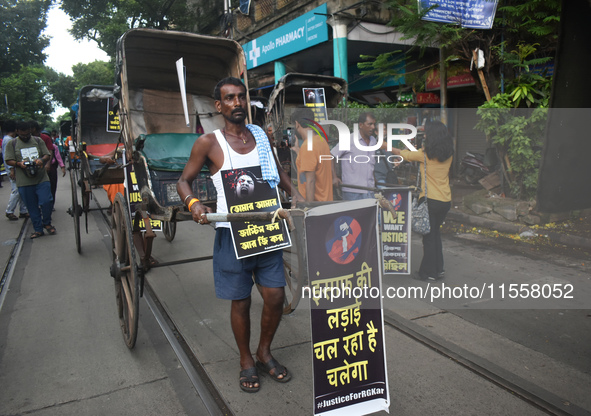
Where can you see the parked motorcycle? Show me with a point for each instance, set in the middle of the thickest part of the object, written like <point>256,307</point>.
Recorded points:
<point>475,166</point>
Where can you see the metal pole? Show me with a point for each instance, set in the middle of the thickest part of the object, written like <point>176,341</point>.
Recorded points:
<point>443,85</point>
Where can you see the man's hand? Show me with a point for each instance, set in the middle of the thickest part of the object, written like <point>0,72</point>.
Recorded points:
<point>106,160</point>
<point>295,198</point>
<point>63,171</point>
<point>198,211</point>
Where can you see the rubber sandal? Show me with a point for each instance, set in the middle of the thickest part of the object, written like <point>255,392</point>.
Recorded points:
<point>50,229</point>
<point>249,375</point>
<point>25,215</point>
<point>12,217</point>
<point>37,234</point>
<point>272,364</point>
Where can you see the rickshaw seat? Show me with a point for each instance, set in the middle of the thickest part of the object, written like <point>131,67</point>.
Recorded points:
<point>166,151</point>
<point>100,149</point>
<point>96,167</point>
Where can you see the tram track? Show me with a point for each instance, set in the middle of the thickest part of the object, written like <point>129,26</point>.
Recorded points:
<point>525,390</point>
<point>11,263</point>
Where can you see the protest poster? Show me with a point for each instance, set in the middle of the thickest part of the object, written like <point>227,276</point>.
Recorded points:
<point>315,99</point>
<point>349,357</point>
<point>113,124</point>
<point>395,232</point>
<point>134,197</point>
<point>247,191</point>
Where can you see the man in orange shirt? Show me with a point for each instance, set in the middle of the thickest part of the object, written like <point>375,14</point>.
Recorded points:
<point>314,167</point>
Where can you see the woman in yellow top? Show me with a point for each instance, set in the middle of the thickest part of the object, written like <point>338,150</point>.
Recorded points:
<point>438,147</point>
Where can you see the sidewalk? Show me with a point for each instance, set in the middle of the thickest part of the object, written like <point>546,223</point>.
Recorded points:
<point>459,213</point>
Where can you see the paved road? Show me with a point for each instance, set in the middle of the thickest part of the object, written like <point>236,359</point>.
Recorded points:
<point>62,351</point>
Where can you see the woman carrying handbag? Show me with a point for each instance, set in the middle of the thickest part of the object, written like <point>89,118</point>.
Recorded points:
<point>435,160</point>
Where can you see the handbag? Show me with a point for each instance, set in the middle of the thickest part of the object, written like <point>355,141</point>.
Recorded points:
<point>420,212</point>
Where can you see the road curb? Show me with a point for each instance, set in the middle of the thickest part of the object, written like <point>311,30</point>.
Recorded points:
<point>513,228</point>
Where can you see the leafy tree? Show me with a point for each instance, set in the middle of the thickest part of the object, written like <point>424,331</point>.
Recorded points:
<point>527,85</point>
<point>517,133</point>
<point>524,34</point>
<point>104,21</point>
<point>26,92</point>
<point>94,73</point>
<point>516,22</point>
<point>23,85</point>
<point>64,88</point>
<point>21,34</point>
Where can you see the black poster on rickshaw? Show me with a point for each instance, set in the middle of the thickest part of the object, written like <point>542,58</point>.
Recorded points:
<point>349,357</point>
<point>395,230</point>
<point>247,191</point>
<point>314,98</point>
<point>112,116</point>
<point>134,197</point>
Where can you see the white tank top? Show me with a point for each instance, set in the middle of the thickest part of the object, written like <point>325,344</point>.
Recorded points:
<point>232,160</point>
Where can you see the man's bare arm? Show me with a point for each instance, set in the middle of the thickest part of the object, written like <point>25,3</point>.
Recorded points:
<point>199,155</point>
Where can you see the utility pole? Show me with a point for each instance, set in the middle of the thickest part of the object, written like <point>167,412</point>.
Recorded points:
<point>443,85</point>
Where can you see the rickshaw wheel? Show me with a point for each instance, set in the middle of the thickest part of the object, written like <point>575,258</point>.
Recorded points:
<point>85,198</point>
<point>75,209</point>
<point>295,276</point>
<point>169,230</point>
<point>125,270</point>
<point>292,288</point>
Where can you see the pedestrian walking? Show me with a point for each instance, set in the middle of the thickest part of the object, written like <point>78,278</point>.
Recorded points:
<point>56,161</point>
<point>29,155</point>
<point>43,135</point>
<point>15,198</point>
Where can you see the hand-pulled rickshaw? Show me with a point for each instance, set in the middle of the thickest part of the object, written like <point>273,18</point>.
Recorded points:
<point>96,134</point>
<point>288,94</point>
<point>166,102</point>
<point>160,121</point>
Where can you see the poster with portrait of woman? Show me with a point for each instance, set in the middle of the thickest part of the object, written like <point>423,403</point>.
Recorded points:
<point>246,191</point>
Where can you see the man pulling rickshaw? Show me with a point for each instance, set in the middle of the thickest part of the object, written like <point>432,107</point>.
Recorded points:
<point>238,146</point>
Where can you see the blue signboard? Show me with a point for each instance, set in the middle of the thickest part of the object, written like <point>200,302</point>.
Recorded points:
<point>301,33</point>
<point>473,14</point>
